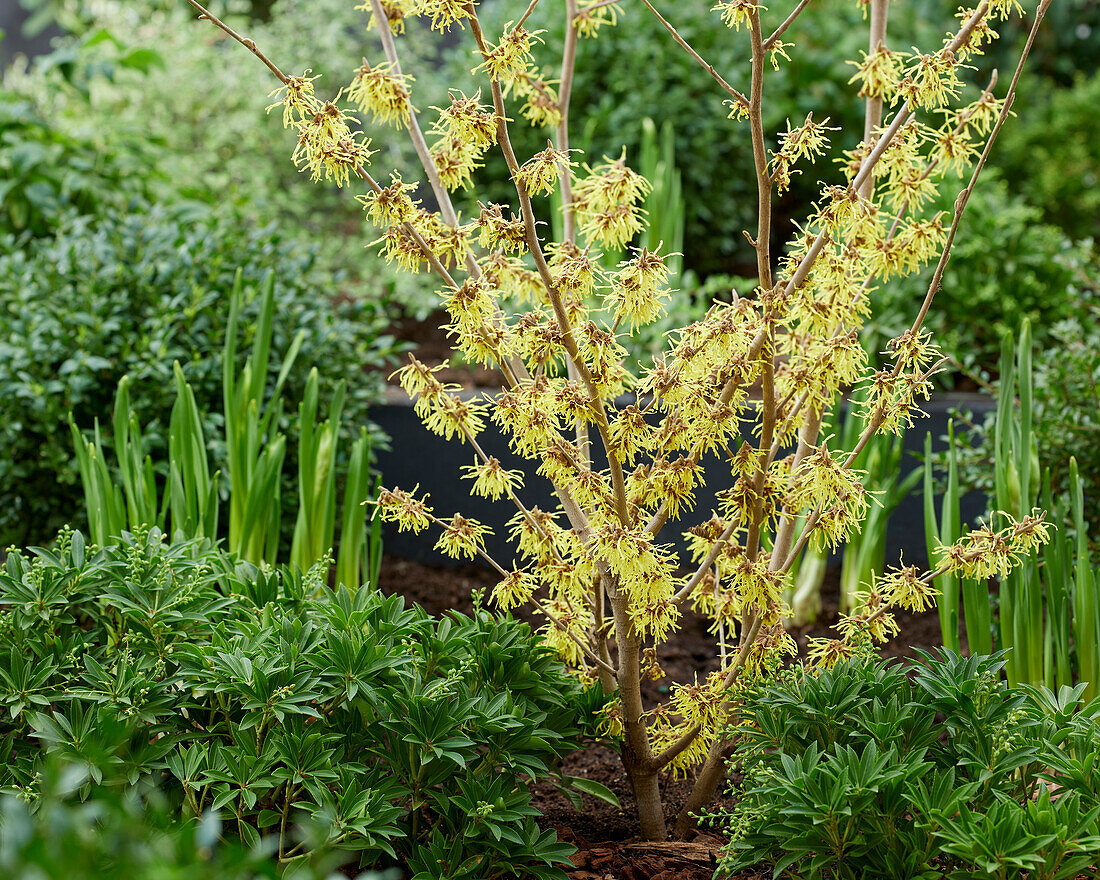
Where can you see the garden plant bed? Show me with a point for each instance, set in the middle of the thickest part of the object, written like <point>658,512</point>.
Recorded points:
<point>608,847</point>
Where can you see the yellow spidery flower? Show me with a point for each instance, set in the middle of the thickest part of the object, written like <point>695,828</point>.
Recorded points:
<point>982,34</point>
<point>297,99</point>
<point>399,246</point>
<point>444,13</point>
<point>611,725</point>
<point>905,588</point>
<point>497,231</point>
<point>472,306</point>
<point>393,204</point>
<point>511,57</point>
<point>635,288</point>
<point>540,99</point>
<point>737,12</point>
<point>738,110</point>
<point>808,141</point>
<point>404,509</point>
<point>467,120</point>
<point>935,79</point>
<point>878,73</point>
<point>630,434</point>
<point>491,480</point>
<point>395,11</point>
<point>575,270</point>
<point>449,415</point>
<point>826,653</point>
<point>462,538</point>
<point>516,589</point>
<point>382,93</point>
<point>456,160</point>
<point>541,172</point>
<point>777,51</point>
<point>327,148</point>
<point>576,625</point>
<point>588,21</point>
<point>1004,8</point>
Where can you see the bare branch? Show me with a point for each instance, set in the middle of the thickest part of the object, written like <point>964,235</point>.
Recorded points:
<point>782,29</point>
<point>709,68</point>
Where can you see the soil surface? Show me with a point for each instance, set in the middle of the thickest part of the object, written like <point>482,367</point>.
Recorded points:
<point>606,836</point>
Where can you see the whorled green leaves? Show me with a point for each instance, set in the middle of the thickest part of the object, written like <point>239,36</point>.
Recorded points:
<point>267,697</point>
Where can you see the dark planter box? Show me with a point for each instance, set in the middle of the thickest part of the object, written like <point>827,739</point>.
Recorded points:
<point>417,456</point>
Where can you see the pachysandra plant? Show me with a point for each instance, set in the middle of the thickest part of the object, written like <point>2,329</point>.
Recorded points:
<point>599,567</point>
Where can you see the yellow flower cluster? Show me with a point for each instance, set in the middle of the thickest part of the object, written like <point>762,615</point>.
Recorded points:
<point>808,141</point>
<point>326,146</point>
<point>594,14</point>
<point>607,200</point>
<point>988,552</point>
<point>381,92</point>
<point>737,12</point>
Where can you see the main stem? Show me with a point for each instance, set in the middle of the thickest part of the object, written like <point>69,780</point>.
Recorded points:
<point>712,771</point>
<point>637,752</point>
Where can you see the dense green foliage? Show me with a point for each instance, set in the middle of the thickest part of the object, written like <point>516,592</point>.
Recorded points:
<point>225,154</point>
<point>123,834</point>
<point>46,173</point>
<point>878,770</point>
<point>131,293</point>
<point>1052,152</point>
<point>267,696</point>
<point>1006,265</point>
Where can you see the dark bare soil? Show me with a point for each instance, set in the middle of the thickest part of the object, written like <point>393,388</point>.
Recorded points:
<point>605,836</point>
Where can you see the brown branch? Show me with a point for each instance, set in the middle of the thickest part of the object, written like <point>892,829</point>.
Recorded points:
<point>709,68</point>
<point>779,31</point>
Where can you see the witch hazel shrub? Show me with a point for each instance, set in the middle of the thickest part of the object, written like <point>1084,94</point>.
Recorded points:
<point>552,316</point>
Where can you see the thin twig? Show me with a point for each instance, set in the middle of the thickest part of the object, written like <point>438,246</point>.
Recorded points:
<point>525,16</point>
<point>779,31</point>
<point>709,68</point>
<point>250,45</point>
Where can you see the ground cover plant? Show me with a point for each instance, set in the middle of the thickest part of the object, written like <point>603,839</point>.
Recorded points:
<point>277,701</point>
<point>121,833</point>
<point>847,774</point>
<point>596,568</point>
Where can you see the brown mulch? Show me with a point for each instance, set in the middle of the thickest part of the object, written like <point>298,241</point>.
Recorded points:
<point>606,836</point>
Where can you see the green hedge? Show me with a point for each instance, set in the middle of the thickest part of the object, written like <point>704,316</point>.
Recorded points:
<point>130,292</point>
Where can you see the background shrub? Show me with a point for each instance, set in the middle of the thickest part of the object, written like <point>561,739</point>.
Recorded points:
<point>130,292</point>
<point>229,154</point>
